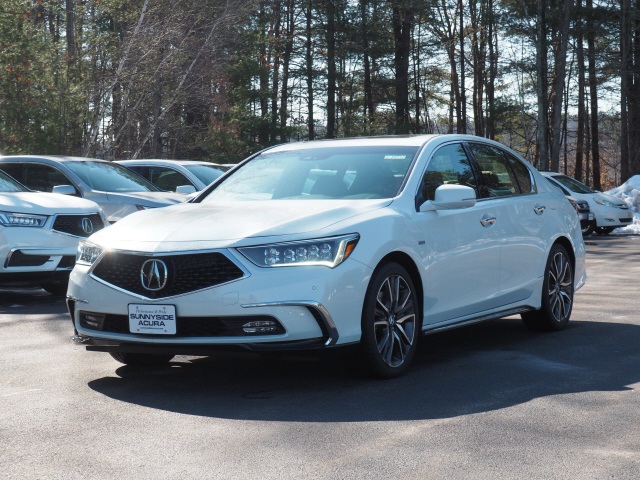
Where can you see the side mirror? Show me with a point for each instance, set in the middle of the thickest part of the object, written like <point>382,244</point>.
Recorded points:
<point>185,189</point>
<point>450,197</point>
<point>64,189</point>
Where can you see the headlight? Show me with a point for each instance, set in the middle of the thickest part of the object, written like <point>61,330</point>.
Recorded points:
<point>604,201</point>
<point>328,252</point>
<point>10,219</point>
<point>87,253</point>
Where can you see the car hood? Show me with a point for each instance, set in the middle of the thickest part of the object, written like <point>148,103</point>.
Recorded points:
<point>611,199</point>
<point>147,199</point>
<point>40,203</point>
<point>196,225</point>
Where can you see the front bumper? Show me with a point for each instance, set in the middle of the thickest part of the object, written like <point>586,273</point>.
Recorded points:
<point>29,256</point>
<point>315,306</point>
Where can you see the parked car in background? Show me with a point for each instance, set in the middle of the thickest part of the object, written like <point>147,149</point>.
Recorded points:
<point>116,189</point>
<point>609,212</point>
<point>182,176</point>
<point>39,235</point>
<point>587,219</point>
<point>369,241</point>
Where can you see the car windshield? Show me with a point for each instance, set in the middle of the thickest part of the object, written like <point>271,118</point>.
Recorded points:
<point>572,184</point>
<point>318,173</point>
<point>110,177</point>
<point>206,173</point>
<point>8,184</point>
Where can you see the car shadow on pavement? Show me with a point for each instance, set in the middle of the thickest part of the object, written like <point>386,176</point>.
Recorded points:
<point>476,369</point>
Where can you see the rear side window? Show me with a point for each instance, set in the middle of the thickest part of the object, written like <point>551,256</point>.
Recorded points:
<point>167,178</point>
<point>522,173</point>
<point>500,174</point>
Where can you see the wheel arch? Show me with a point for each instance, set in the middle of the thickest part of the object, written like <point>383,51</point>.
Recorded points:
<point>568,246</point>
<point>408,263</point>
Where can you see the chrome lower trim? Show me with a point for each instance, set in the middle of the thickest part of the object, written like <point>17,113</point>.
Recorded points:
<point>471,321</point>
<point>323,313</point>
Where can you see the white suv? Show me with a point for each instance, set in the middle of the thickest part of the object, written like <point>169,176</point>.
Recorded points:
<point>610,212</point>
<point>39,235</point>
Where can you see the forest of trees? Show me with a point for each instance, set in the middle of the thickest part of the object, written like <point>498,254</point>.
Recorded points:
<point>556,80</point>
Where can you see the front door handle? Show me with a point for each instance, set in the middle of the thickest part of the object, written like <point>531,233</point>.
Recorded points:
<point>487,221</point>
<point>539,209</point>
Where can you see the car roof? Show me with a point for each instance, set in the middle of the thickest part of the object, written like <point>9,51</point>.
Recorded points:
<point>51,158</point>
<point>157,161</point>
<point>389,140</point>
<point>407,140</point>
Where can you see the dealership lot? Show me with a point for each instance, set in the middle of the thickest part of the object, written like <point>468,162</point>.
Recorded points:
<point>489,401</point>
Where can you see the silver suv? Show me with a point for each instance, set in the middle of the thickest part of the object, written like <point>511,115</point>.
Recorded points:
<point>116,189</point>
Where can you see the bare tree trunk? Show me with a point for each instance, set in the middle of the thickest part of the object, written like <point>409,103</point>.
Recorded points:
<point>478,48</point>
<point>633,95</point>
<point>275,85</point>
<point>560,70</point>
<point>73,138</point>
<point>542,87</point>
<point>580,135</point>
<point>462,119</point>
<point>402,19</point>
<point>368,92</point>
<point>309,70</point>
<point>492,37</point>
<point>265,60</point>
<point>593,90</point>
<point>288,50</point>
<point>331,68</point>
<point>626,82</point>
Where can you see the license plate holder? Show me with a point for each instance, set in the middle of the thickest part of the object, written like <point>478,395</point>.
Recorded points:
<point>152,319</point>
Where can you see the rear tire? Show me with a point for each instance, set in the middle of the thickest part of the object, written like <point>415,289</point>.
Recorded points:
<point>557,294</point>
<point>141,359</point>
<point>390,322</point>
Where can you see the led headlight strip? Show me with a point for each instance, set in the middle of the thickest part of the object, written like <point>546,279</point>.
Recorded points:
<point>329,252</point>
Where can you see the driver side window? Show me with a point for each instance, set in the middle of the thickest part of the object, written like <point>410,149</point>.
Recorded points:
<point>448,165</point>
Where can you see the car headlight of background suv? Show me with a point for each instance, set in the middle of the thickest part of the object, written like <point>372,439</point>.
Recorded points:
<point>10,219</point>
<point>88,253</point>
<point>603,201</point>
<point>329,252</point>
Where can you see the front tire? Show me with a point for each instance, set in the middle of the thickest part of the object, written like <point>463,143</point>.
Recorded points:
<point>557,294</point>
<point>604,230</point>
<point>588,229</point>
<point>141,359</point>
<point>390,322</point>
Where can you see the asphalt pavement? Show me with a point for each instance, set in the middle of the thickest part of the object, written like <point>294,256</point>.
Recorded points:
<point>490,401</point>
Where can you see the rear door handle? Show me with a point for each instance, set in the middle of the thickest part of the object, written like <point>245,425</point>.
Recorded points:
<point>539,209</point>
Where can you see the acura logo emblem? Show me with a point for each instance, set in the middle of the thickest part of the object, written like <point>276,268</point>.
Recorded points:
<point>153,275</point>
<point>87,226</point>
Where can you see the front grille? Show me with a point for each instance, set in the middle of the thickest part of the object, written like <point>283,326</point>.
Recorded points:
<point>185,326</point>
<point>185,273</point>
<point>78,225</point>
<point>19,259</point>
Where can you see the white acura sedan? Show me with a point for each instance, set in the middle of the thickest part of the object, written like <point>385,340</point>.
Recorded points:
<point>370,241</point>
